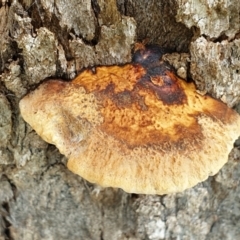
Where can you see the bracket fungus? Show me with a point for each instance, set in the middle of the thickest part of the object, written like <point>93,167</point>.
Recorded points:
<point>137,127</point>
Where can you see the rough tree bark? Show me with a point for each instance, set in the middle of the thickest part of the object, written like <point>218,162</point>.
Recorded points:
<point>39,197</point>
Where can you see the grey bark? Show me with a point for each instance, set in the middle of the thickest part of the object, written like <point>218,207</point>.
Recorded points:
<point>39,197</point>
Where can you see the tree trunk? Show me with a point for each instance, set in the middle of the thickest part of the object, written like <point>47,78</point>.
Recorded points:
<point>40,198</point>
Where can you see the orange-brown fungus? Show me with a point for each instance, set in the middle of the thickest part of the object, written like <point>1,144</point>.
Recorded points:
<point>137,127</point>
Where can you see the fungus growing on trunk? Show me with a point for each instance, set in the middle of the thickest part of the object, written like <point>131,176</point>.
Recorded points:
<point>137,127</point>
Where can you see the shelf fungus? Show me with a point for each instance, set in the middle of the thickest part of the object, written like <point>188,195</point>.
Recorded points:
<point>137,127</point>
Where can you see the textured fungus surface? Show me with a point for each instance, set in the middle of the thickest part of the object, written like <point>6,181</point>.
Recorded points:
<point>137,127</point>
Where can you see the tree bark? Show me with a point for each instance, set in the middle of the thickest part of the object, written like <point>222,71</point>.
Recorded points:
<point>39,197</point>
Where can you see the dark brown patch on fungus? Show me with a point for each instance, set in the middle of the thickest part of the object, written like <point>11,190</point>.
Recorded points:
<point>137,127</point>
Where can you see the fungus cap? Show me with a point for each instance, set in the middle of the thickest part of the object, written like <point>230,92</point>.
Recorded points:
<point>137,127</point>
